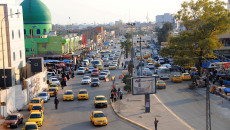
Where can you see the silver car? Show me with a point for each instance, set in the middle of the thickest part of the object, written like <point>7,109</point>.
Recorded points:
<point>107,71</point>
<point>44,96</point>
<point>103,75</point>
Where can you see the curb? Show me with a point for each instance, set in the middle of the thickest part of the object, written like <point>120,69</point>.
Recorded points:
<point>223,96</point>
<point>131,121</point>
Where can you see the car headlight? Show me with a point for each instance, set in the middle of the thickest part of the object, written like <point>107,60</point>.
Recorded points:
<point>96,121</point>
<point>105,120</point>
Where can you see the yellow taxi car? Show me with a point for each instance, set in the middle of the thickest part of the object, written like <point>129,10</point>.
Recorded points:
<point>52,91</point>
<point>138,57</point>
<point>100,101</point>
<point>176,78</point>
<point>186,76</point>
<point>100,67</point>
<point>35,101</point>
<point>68,95</point>
<point>157,64</point>
<point>37,107</point>
<point>146,56</point>
<point>150,60</point>
<point>98,118</point>
<point>112,67</point>
<point>53,86</point>
<point>161,84</point>
<point>37,117</point>
<point>186,66</point>
<point>30,126</point>
<point>83,94</point>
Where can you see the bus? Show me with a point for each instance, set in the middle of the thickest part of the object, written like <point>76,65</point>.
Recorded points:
<point>163,72</point>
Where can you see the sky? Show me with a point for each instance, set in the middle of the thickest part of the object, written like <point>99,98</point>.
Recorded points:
<point>106,11</point>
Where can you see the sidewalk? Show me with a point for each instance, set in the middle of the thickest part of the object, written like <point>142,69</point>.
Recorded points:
<point>132,107</point>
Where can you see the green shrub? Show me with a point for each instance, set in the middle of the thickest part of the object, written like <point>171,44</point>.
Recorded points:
<point>127,88</point>
<point>125,77</point>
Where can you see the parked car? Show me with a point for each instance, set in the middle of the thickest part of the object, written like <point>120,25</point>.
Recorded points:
<point>44,96</point>
<point>13,120</point>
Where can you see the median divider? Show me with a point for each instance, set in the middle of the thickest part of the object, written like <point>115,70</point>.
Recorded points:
<point>131,121</point>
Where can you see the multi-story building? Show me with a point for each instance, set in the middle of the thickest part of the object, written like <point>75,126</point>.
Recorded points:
<point>12,37</point>
<point>166,17</point>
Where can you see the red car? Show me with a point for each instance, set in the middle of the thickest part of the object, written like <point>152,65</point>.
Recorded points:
<point>13,120</point>
<point>95,72</point>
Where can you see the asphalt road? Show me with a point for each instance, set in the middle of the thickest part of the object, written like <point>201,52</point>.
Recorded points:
<point>72,115</point>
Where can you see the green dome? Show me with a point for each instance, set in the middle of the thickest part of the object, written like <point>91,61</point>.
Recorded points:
<point>35,12</point>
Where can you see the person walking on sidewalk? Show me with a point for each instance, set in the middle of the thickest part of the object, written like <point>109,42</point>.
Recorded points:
<point>121,94</point>
<point>56,102</point>
<point>155,123</point>
<point>62,83</point>
<point>115,95</point>
<point>122,64</point>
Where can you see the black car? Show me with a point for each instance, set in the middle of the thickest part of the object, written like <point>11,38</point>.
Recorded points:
<point>95,82</point>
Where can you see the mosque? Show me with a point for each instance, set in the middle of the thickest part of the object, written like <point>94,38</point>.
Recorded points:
<point>40,40</point>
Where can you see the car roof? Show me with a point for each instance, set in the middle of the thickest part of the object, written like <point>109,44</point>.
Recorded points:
<point>100,96</point>
<point>69,91</point>
<point>185,73</point>
<point>97,112</point>
<point>86,76</point>
<point>43,92</point>
<point>36,99</point>
<point>160,81</point>
<point>37,104</point>
<point>30,123</point>
<point>36,112</point>
<point>82,90</point>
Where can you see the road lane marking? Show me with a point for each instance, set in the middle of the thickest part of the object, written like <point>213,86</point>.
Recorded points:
<point>181,120</point>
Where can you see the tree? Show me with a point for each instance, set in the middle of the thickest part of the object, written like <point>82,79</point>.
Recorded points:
<point>163,33</point>
<point>126,45</point>
<point>204,21</point>
<point>128,36</point>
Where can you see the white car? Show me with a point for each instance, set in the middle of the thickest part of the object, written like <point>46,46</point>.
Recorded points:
<point>54,81</point>
<point>81,70</point>
<point>44,96</point>
<point>146,69</point>
<point>150,66</point>
<point>107,71</point>
<point>86,80</point>
<point>166,65</point>
<point>90,69</point>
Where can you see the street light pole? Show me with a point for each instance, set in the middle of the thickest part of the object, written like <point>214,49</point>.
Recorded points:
<point>3,58</point>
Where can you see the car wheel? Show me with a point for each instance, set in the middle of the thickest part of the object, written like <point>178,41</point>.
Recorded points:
<point>17,125</point>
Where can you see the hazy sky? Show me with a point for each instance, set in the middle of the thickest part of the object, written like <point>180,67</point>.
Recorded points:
<point>105,11</point>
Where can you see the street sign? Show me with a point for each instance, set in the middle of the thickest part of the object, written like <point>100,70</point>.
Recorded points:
<point>3,103</point>
<point>143,85</point>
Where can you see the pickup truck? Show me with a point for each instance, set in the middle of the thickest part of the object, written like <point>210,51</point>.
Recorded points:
<point>13,120</point>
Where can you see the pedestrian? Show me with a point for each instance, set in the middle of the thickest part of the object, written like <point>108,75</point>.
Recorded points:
<point>67,76</point>
<point>65,79</point>
<point>62,83</point>
<point>115,96</point>
<point>118,94</point>
<point>121,94</point>
<point>56,102</point>
<point>112,96</point>
<point>55,94</point>
<point>221,81</point>
<point>122,64</point>
<point>124,67</point>
<point>155,123</point>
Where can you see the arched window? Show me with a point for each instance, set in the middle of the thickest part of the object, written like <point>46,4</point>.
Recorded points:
<point>38,31</point>
<point>44,31</point>
<point>24,32</point>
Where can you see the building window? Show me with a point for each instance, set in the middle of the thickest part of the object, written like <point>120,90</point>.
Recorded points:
<point>19,33</point>
<point>14,56</point>
<point>27,49</point>
<point>31,32</point>
<point>38,31</point>
<point>12,34</point>
<point>44,31</point>
<point>11,13</point>
<point>18,12</point>
<point>20,54</point>
<point>24,32</point>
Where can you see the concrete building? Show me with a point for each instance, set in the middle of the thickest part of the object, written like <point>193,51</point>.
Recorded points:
<point>12,37</point>
<point>166,17</point>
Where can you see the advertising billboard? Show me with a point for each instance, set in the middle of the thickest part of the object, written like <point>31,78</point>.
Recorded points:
<point>143,85</point>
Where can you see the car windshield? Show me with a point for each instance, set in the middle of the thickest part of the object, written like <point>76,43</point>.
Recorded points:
<point>52,90</point>
<point>81,68</point>
<point>94,70</point>
<point>186,74</point>
<point>54,80</point>
<point>97,115</point>
<point>149,73</point>
<point>53,85</point>
<point>13,117</point>
<point>95,80</point>
<point>85,77</point>
<point>103,74</point>
<point>35,115</point>
<point>150,64</point>
<point>42,94</point>
<point>34,101</point>
<point>95,62</point>
<point>31,127</point>
<point>177,76</point>
<point>36,108</point>
<point>100,98</point>
<point>160,82</point>
<point>83,92</point>
<point>68,93</point>
<point>91,68</point>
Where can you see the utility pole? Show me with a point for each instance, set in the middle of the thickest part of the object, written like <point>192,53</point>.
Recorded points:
<point>141,54</point>
<point>208,115</point>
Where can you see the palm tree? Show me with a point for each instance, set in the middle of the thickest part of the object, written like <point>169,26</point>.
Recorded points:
<point>126,45</point>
